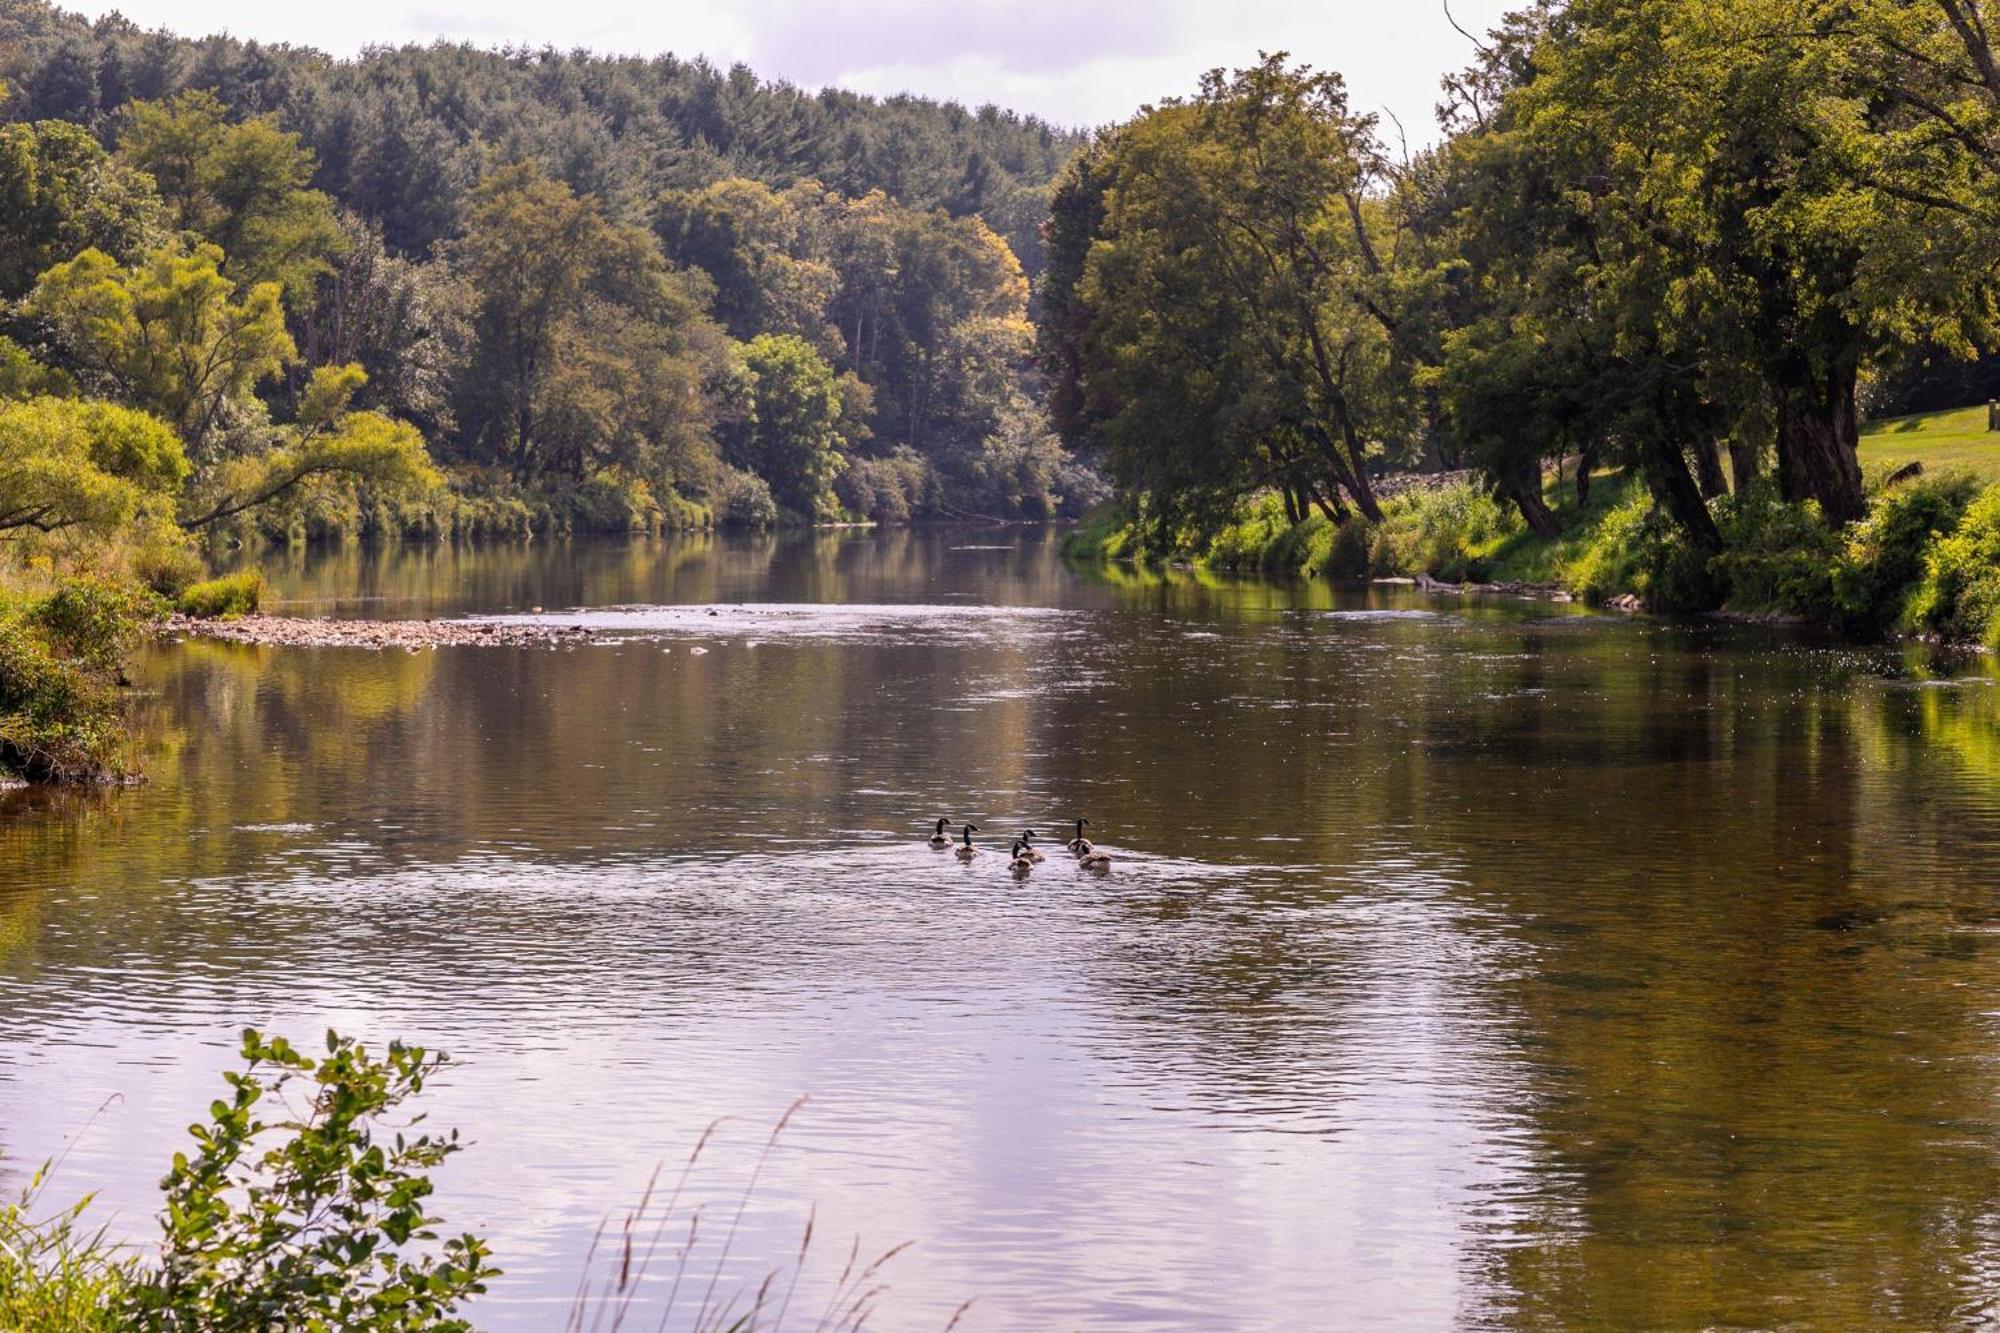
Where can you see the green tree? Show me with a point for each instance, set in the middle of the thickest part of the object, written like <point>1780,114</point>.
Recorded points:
<point>60,194</point>
<point>1234,328</point>
<point>589,350</point>
<point>792,438</point>
<point>328,440</point>
<point>403,322</point>
<point>763,249</point>
<point>1713,148</point>
<point>67,464</point>
<point>170,335</point>
<point>243,186</point>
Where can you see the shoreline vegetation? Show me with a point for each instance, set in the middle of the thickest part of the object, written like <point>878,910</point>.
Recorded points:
<point>1925,564</point>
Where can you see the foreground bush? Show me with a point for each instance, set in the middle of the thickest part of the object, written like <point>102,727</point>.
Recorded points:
<point>231,595</point>
<point>316,1221</point>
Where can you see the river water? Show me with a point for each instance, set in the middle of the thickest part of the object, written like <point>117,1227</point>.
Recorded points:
<point>1464,965</point>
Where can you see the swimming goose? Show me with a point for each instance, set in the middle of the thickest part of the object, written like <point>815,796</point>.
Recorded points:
<point>967,851</point>
<point>1080,844</point>
<point>1028,847</point>
<point>1094,860</point>
<point>1023,862</point>
<point>939,838</point>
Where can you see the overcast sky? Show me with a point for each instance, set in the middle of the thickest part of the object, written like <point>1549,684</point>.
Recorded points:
<point>1078,62</point>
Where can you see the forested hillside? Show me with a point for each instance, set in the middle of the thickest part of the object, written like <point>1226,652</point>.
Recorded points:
<point>602,293</point>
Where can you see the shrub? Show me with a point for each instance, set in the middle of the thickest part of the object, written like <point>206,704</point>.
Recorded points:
<point>316,1228</point>
<point>232,595</point>
<point>94,621</point>
<point>1607,562</point>
<point>1450,532</point>
<point>486,513</point>
<point>1884,558</point>
<point>742,500</point>
<point>1959,595</point>
<point>1670,573</point>
<point>1100,536</point>
<point>1777,556</point>
<point>61,661</point>
<point>60,721</point>
<point>166,564</point>
<point>314,1222</point>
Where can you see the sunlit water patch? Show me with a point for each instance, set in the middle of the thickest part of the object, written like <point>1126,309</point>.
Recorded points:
<point>837,623</point>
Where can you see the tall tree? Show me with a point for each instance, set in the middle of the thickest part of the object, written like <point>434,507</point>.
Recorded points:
<point>1233,297</point>
<point>170,334</point>
<point>60,194</point>
<point>242,186</point>
<point>588,347</point>
<point>792,437</point>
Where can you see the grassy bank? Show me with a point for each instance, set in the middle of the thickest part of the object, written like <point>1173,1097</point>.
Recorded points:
<point>1941,441</point>
<point>1926,561</point>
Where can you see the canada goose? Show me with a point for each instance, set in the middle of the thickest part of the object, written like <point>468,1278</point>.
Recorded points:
<point>1023,862</point>
<point>1080,844</point>
<point>1094,860</point>
<point>967,851</point>
<point>939,838</point>
<point>1028,847</point>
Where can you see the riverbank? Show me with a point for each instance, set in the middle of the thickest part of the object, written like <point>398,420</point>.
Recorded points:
<point>1925,562</point>
<point>412,635</point>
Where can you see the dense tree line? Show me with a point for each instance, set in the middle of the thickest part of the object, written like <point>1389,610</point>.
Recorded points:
<point>403,135</point>
<point>1685,238</point>
<point>602,293</point>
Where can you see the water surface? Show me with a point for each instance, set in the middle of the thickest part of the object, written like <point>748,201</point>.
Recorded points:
<point>1462,965</point>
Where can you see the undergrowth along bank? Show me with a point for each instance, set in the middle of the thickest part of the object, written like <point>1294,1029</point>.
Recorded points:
<point>1925,561</point>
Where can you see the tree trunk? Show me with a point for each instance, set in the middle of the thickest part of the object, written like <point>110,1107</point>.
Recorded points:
<point>1527,497</point>
<point>1346,476</point>
<point>1708,468</point>
<point>1364,497</point>
<point>1357,463</point>
<point>1742,461</point>
<point>1674,487</point>
<point>1291,499</point>
<point>1336,513</point>
<point>1337,470</point>
<point>1819,428</point>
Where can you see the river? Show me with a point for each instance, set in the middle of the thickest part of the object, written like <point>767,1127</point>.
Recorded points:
<point>1486,964</point>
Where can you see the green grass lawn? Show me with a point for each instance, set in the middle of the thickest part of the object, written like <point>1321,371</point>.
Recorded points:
<point>1940,440</point>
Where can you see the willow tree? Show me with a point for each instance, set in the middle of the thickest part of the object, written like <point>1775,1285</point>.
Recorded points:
<point>170,334</point>
<point>1226,318</point>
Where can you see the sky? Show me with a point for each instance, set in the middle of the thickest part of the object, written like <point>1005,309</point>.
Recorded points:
<point>1075,62</point>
